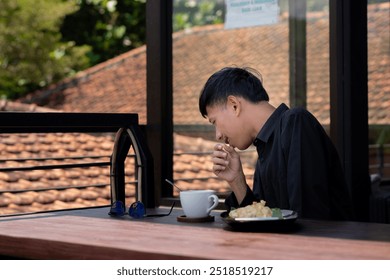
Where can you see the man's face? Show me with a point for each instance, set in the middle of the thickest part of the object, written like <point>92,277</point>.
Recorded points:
<point>229,127</point>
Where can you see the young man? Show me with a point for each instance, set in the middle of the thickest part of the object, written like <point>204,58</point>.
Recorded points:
<point>297,168</point>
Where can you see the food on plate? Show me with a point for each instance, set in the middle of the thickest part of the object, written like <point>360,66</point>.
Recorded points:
<point>255,210</point>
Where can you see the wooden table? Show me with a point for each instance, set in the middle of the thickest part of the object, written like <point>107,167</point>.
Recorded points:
<point>93,234</point>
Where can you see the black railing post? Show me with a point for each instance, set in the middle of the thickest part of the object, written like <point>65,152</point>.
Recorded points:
<point>159,129</point>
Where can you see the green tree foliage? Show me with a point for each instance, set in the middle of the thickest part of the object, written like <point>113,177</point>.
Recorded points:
<point>189,13</point>
<point>110,27</point>
<point>32,54</point>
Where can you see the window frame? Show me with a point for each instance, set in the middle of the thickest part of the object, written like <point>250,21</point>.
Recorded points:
<point>349,114</point>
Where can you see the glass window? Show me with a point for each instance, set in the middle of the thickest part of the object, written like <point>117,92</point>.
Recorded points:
<point>378,26</point>
<point>203,43</point>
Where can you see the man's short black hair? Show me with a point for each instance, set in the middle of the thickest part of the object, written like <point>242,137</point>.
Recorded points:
<point>243,82</point>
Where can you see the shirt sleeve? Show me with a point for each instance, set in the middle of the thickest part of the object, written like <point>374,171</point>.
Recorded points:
<point>231,200</point>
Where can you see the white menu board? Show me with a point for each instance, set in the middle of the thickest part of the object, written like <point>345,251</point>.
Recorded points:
<point>245,13</point>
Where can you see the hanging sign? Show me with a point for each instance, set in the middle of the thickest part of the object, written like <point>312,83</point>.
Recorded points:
<point>245,13</point>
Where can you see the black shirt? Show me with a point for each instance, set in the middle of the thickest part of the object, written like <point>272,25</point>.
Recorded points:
<point>298,168</point>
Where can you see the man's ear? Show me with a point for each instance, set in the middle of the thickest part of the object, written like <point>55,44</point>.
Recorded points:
<point>234,103</point>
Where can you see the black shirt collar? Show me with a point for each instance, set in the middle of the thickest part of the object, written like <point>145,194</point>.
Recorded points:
<point>268,128</point>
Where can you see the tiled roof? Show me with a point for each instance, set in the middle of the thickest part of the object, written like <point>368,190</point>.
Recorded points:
<point>119,85</point>
<point>35,190</point>
<point>24,150</point>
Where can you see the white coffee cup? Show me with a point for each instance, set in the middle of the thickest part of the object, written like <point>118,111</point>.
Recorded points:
<point>198,203</point>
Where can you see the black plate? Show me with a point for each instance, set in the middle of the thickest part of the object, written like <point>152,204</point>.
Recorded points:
<point>263,224</point>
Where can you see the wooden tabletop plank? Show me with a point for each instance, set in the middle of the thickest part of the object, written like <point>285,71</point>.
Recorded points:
<point>83,237</point>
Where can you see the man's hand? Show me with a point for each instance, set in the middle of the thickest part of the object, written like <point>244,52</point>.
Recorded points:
<point>227,166</point>
<point>226,162</point>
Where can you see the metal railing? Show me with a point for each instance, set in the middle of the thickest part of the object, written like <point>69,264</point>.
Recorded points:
<point>49,167</point>
<point>127,134</point>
